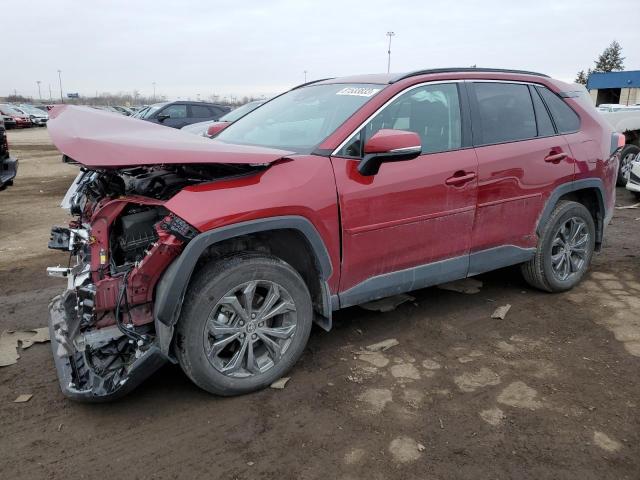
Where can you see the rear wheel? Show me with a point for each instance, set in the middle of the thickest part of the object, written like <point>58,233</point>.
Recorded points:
<point>245,322</point>
<point>564,250</point>
<point>628,153</point>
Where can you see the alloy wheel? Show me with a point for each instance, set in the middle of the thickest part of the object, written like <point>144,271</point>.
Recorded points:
<point>626,163</point>
<point>250,329</point>
<point>569,250</point>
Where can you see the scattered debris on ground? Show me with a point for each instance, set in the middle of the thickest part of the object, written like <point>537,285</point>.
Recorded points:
<point>466,285</point>
<point>10,341</point>
<point>25,397</point>
<point>501,312</point>
<point>387,304</point>
<point>280,383</point>
<point>383,346</point>
<point>605,442</point>
<point>628,207</point>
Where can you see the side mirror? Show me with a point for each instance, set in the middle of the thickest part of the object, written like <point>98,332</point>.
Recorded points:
<point>388,145</point>
<point>162,117</point>
<point>216,128</point>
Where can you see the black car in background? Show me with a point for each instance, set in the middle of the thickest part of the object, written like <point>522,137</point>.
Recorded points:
<point>8,165</point>
<point>179,114</point>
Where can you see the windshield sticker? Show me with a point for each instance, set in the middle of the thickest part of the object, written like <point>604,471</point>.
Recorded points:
<point>358,92</point>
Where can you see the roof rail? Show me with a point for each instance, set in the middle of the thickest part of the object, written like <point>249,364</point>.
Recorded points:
<point>312,82</point>
<point>464,69</point>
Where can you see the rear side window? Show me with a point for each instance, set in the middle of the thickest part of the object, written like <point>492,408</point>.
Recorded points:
<point>545,126</point>
<point>506,112</point>
<point>200,111</point>
<point>566,120</point>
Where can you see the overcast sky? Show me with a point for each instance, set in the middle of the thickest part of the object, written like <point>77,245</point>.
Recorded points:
<point>245,47</point>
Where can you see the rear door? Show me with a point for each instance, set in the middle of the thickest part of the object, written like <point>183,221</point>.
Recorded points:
<point>409,225</point>
<point>521,159</point>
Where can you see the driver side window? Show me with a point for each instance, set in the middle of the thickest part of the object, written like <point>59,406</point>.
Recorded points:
<point>432,111</point>
<point>175,111</point>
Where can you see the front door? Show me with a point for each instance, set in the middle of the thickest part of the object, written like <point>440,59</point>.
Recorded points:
<point>409,225</point>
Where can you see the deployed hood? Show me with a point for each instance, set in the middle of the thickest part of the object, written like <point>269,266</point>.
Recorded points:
<point>100,139</point>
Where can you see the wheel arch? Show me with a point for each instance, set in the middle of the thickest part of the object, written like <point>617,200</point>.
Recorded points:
<point>274,235</point>
<point>589,192</point>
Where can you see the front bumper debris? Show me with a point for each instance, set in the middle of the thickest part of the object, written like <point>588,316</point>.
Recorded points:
<point>77,379</point>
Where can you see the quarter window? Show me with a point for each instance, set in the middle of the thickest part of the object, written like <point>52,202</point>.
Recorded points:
<point>566,120</point>
<point>506,112</point>
<point>432,111</point>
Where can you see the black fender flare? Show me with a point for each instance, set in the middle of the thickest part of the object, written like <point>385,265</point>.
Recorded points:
<point>575,186</point>
<point>172,286</point>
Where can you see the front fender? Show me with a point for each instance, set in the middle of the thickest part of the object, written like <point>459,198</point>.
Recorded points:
<point>172,287</point>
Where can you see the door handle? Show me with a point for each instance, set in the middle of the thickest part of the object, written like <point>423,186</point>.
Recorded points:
<point>460,178</point>
<point>555,157</point>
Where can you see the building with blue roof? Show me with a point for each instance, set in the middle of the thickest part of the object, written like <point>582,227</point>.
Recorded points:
<point>615,87</point>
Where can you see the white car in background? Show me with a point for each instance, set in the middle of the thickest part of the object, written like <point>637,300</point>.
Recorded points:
<point>633,184</point>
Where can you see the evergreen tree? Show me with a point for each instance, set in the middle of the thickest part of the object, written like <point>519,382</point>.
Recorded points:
<point>611,59</point>
<point>581,78</point>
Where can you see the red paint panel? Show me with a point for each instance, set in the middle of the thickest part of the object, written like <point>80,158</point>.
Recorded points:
<point>514,182</point>
<point>303,185</point>
<point>404,216</point>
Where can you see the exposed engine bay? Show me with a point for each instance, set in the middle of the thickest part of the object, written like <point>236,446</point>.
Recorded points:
<point>120,241</point>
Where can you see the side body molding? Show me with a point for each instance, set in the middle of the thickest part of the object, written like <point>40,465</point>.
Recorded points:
<point>172,287</point>
<point>574,186</point>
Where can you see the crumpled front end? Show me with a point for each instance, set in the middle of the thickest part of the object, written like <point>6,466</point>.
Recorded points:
<point>103,334</point>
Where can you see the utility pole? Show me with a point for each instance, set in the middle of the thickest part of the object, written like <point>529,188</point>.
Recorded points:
<point>60,80</point>
<point>154,91</point>
<point>305,76</point>
<point>389,34</point>
<point>39,94</point>
<point>50,97</point>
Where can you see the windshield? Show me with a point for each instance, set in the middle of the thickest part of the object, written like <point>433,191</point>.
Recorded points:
<point>240,112</point>
<point>8,110</point>
<point>301,118</point>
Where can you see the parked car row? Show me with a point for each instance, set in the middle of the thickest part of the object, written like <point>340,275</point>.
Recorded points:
<point>8,164</point>
<point>23,115</point>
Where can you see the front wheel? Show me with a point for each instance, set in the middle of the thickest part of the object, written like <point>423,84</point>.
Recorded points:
<point>246,321</point>
<point>564,250</point>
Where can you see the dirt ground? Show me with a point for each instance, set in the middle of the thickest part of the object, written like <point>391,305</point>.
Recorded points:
<point>551,392</point>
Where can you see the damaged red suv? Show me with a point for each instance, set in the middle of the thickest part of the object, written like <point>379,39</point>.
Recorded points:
<point>220,254</point>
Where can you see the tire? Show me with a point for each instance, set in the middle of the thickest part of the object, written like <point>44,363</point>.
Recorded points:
<point>208,317</point>
<point>628,153</point>
<point>539,272</point>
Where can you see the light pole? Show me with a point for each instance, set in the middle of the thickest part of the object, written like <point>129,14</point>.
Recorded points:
<point>39,94</point>
<point>50,97</point>
<point>154,91</point>
<point>305,76</point>
<point>60,80</point>
<point>389,34</point>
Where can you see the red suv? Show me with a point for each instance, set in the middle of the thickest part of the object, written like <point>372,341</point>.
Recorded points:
<point>220,254</point>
